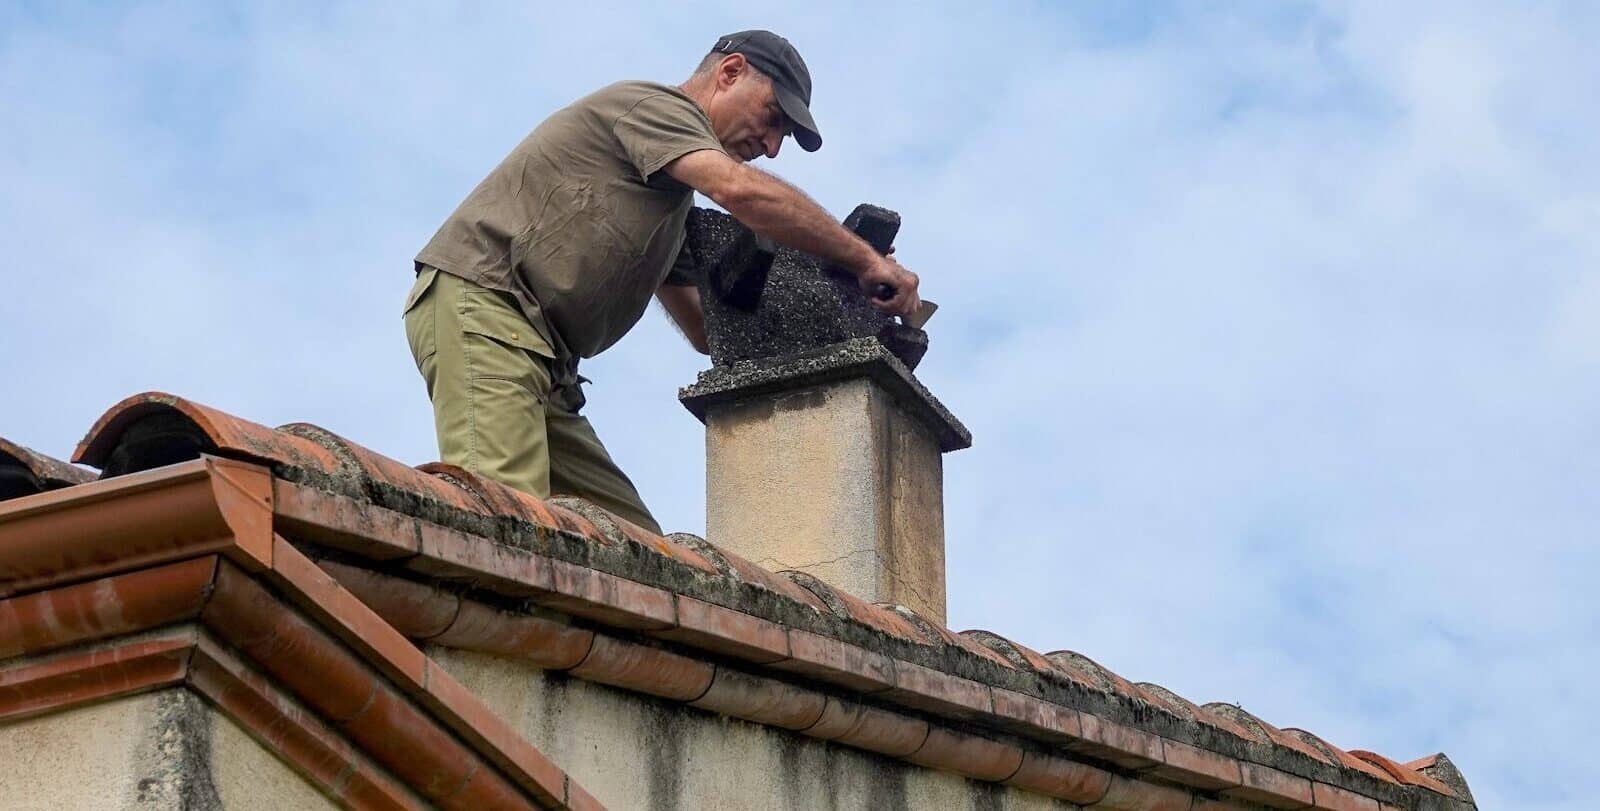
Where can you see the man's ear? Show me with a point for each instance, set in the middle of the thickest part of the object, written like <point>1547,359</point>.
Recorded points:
<point>730,69</point>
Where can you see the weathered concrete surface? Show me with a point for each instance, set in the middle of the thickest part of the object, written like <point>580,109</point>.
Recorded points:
<point>801,305</point>
<point>860,357</point>
<point>636,752</point>
<point>833,480</point>
<point>163,750</point>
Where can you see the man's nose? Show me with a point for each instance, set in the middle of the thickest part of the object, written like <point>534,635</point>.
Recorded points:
<point>773,143</point>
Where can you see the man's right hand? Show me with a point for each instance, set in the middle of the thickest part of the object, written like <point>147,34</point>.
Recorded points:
<point>887,271</point>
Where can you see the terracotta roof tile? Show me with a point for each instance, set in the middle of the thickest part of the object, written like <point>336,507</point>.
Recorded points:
<point>848,606</point>
<point>46,620</point>
<point>1333,798</point>
<point>837,662</point>
<point>1018,655</point>
<point>494,497</point>
<point>648,670</point>
<point>1188,710</point>
<point>1401,773</point>
<point>1036,716</point>
<point>870,728</point>
<point>1082,669</point>
<point>619,530</point>
<point>724,630</point>
<point>419,611</point>
<point>1068,779</point>
<point>80,676</point>
<point>1130,794</point>
<point>764,701</point>
<point>1123,745</point>
<point>953,639</point>
<point>936,691</point>
<point>163,444</point>
<point>1344,758</point>
<point>1264,731</point>
<point>1442,769</point>
<point>549,642</point>
<point>378,471</point>
<point>969,755</point>
<point>1271,787</point>
<point>1196,766</point>
<point>449,554</point>
<point>24,471</point>
<point>736,567</point>
<point>1427,762</point>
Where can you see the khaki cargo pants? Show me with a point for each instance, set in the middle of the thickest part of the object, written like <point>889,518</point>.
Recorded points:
<point>495,409</point>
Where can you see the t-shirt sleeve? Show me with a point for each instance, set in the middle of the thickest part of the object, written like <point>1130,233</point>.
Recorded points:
<point>659,130</point>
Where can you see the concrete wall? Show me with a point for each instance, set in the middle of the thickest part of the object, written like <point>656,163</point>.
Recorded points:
<point>636,752</point>
<point>164,750</point>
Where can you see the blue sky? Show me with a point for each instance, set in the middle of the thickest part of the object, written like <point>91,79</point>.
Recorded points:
<point>1277,324</point>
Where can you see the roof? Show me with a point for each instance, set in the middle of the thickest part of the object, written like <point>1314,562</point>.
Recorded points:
<point>437,554</point>
<point>174,578</point>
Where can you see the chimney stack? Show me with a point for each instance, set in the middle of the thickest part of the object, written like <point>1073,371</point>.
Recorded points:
<point>823,451</point>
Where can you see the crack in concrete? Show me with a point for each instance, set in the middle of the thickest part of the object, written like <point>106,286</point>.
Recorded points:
<point>803,566</point>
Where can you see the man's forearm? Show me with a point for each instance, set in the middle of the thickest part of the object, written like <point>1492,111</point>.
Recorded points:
<point>786,215</point>
<point>783,213</point>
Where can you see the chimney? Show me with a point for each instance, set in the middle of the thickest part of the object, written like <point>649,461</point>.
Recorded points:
<point>823,451</point>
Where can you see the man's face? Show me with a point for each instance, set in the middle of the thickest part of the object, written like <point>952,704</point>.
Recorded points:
<point>745,114</point>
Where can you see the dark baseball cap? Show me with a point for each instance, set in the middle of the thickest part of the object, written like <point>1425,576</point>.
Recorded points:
<point>791,82</point>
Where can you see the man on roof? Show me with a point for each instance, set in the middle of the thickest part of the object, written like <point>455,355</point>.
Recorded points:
<point>556,254</point>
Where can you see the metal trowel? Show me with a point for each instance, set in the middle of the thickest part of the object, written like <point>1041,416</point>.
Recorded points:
<point>925,311</point>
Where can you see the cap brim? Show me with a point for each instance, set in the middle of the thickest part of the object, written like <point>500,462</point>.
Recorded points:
<point>805,129</point>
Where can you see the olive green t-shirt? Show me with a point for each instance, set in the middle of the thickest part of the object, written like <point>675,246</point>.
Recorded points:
<point>579,224</point>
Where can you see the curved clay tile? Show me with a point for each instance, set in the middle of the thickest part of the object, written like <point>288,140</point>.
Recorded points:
<point>1190,711</point>
<point>1274,735</point>
<point>671,547</point>
<point>1017,654</point>
<point>945,635</point>
<point>1338,755</point>
<point>716,557</point>
<point>498,499</point>
<point>1440,767</point>
<point>609,532</point>
<point>379,472</point>
<point>1261,730</point>
<point>746,572</point>
<point>1407,776</point>
<point>819,590</point>
<point>24,471</point>
<point>848,606</point>
<point>1092,673</point>
<point>618,531</point>
<point>209,430</point>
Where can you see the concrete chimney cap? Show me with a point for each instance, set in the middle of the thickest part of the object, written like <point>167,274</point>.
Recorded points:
<point>860,357</point>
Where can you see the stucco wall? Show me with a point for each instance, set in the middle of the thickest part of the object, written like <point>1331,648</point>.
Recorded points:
<point>636,752</point>
<point>855,482</point>
<point>164,750</point>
